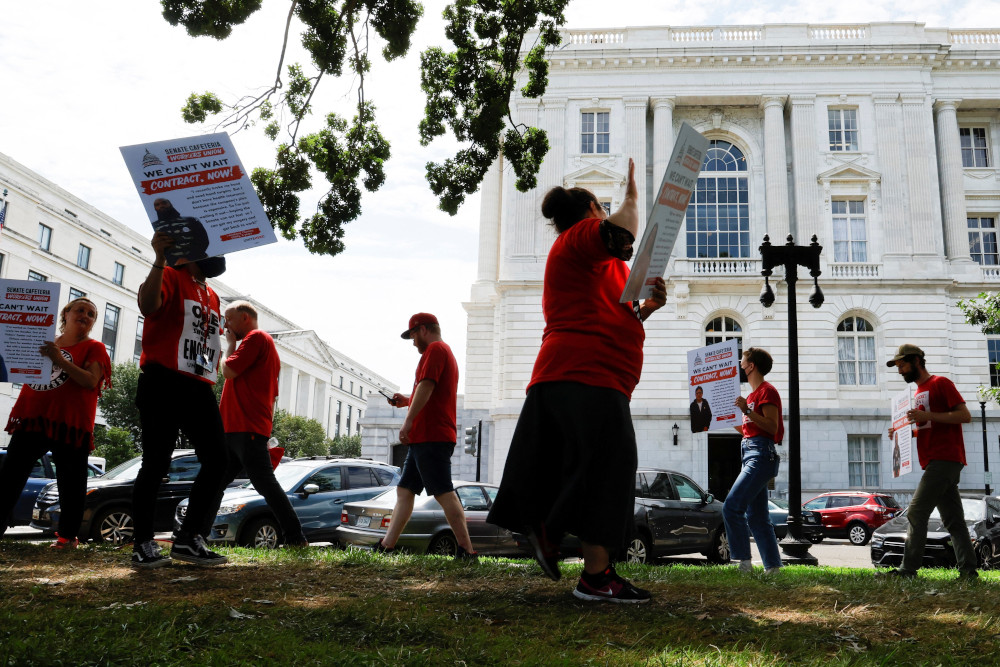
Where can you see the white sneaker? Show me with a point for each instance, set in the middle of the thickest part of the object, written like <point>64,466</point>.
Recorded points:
<point>772,570</point>
<point>746,565</point>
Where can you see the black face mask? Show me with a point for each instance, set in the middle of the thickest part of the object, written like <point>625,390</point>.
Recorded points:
<point>743,376</point>
<point>212,267</point>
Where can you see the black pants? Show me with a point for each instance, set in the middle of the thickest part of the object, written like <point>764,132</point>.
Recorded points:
<point>169,402</point>
<point>249,451</point>
<point>71,474</point>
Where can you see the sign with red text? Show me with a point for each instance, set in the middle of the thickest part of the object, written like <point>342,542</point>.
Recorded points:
<point>713,386</point>
<point>902,434</point>
<point>667,214</point>
<point>29,312</point>
<point>197,190</point>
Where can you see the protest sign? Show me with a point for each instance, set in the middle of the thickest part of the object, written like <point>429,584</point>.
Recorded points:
<point>715,370</point>
<point>902,435</point>
<point>196,190</point>
<point>667,214</point>
<point>28,314</point>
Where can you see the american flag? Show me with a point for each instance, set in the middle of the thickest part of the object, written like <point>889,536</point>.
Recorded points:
<point>3,214</point>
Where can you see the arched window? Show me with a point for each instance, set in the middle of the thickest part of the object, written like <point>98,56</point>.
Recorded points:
<point>723,328</point>
<point>855,352</point>
<point>718,215</point>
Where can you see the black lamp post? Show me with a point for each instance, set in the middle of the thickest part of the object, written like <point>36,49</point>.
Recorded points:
<point>791,256</point>
<point>986,454</point>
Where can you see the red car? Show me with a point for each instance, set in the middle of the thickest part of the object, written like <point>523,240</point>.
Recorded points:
<point>853,514</point>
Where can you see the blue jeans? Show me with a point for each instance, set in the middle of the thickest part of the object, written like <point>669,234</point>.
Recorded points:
<point>745,509</point>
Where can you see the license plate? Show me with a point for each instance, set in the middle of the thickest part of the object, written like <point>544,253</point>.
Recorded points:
<point>364,521</point>
<point>35,513</point>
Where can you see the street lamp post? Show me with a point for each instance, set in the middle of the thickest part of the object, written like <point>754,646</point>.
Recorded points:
<point>986,453</point>
<point>792,256</point>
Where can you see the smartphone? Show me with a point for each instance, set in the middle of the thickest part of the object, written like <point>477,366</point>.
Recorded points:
<point>383,392</point>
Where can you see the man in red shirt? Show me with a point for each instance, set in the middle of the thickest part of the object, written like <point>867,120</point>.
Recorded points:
<point>937,425</point>
<point>430,430</point>
<point>247,408</point>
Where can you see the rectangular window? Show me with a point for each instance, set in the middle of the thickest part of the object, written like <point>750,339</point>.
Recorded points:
<point>843,126</point>
<point>119,277</point>
<point>341,381</point>
<point>34,275</point>
<point>83,257</point>
<point>348,429</point>
<point>74,293</point>
<point>336,432</point>
<point>110,337</point>
<point>975,150</point>
<point>862,460</point>
<point>850,243</point>
<point>595,132</point>
<point>983,240</point>
<point>352,392</point>
<point>2,256</point>
<point>44,236</point>
<point>137,352</point>
<point>718,218</point>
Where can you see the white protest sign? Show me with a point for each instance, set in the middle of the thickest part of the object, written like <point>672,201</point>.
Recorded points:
<point>667,214</point>
<point>715,370</point>
<point>196,190</point>
<point>902,435</point>
<point>29,311</point>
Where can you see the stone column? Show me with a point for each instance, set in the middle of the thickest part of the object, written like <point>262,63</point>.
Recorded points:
<point>949,155</point>
<point>553,167</point>
<point>521,242</point>
<point>925,207</point>
<point>888,124</point>
<point>490,211</point>
<point>775,167</point>
<point>804,169</point>
<point>663,139</point>
<point>635,148</point>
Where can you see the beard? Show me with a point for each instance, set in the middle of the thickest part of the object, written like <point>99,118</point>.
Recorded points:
<point>911,375</point>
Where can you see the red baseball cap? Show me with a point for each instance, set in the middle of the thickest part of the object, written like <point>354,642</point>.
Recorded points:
<point>418,320</point>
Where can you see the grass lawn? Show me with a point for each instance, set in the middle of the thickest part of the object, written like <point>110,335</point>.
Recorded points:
<point>321,606</point>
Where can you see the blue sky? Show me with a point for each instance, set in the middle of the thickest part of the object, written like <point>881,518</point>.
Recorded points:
<point>81,79</point>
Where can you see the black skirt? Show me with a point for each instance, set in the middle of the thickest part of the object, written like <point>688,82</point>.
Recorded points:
<point>571,465</point>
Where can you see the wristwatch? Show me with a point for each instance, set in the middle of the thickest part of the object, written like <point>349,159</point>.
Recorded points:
<point>746,411</point>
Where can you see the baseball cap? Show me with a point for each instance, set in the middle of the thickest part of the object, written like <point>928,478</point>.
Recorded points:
<point>905,350</point>
<point>418,320</point>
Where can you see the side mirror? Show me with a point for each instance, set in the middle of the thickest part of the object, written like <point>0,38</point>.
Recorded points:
<point>709,499</point>
<point>310,489</point>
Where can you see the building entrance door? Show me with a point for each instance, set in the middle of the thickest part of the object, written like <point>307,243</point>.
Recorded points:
<point>724,462</point>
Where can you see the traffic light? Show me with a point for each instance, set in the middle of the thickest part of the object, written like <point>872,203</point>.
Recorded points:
<point>471,439</point>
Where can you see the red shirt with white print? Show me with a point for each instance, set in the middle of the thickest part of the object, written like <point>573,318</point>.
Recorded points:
<point>937,441</point>
<point>247,404</point>
<point>763,395</point>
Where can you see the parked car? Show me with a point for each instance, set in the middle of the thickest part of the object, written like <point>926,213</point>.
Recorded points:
<point>982,516</point>
<point>318,487</point>
<point>43,474</point>
<point>853,514</point>
<point>812,525</point>
<point>107,510</point>
<point>364,523</point>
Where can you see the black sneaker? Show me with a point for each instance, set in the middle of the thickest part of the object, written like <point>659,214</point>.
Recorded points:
<point>380,548</point>
<point>609,587</point>
<point>969,577</point>
<point>546,553</point>
<point>192,550</point>
<point>463,556</point>
<point>146,555</point>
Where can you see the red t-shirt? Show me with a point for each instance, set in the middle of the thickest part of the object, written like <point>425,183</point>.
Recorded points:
<point>247,404</point>
<point>937,441</point>
<point>763,395</point>
<point>63,410</point>
<point>181,330</point>
<point>437,421</point>
<point>589,337</point>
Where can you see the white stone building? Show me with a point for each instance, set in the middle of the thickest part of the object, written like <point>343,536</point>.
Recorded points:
<point>880,139</point>
<point>49,234</point>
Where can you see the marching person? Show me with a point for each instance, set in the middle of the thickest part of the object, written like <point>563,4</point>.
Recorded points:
<point>251,371</point>
<point>430,431</point>
<point>58,417</point>
<point>937,426</point>
<point>180,355</point>
<point>762,430</point>
<point>573,458</point>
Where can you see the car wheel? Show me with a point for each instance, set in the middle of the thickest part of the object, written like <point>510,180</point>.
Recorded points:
<point>984,554</point>
<point>443,545</point>
<point>113,526</point>
<point>719,553</point>
<point>816,539</point>
<point>639,550</point>
<point>262,533</point>
<point>858,533</point>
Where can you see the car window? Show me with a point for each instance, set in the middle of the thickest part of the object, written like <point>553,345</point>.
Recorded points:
<point>183,469</point>
<point>687,490</point>
<point>327,479</point>
<point>93,473</point>
<point>659,487</point>
<point>888,501</point>
<point>491,492</point>
<point>641,490</point>
<point>993,505</point>
<point>384,476</point>
<point>361,477</point>
<point>859,500</point>
<point>839,501</point>
<point>38,471</point>
<point>816,504</point>
<point>472,498</point>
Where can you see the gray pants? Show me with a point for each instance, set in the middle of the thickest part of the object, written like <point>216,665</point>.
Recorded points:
<point>938,488</point>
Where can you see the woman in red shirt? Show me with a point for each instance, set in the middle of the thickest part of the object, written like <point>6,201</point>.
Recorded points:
<point>572,462</point>
<point>58,417</point>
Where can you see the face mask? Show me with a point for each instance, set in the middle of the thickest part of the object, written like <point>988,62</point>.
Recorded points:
<point>212,267</point>
<point>743,376</point>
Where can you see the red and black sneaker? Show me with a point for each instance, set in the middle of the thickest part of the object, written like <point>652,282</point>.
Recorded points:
<point>545,552</point>
<point>609,587</point>
<point>62,543</point>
